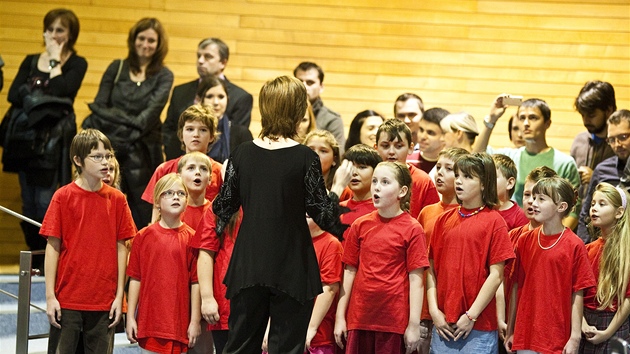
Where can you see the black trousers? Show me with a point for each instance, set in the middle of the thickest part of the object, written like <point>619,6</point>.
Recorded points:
<point>97,338</point>
<point>250,310</point>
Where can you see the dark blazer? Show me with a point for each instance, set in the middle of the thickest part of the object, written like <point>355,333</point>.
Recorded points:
<point>239,110</point>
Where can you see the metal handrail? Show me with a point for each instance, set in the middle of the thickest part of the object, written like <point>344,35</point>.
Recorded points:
<point>20,216</point>
<point>17,298</point>
<point>22,335</point>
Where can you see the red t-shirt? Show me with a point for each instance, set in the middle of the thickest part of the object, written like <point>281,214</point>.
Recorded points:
<point>193,214</point>
<point>170,166</point>
<point>328,250</point>
<point>346,194</point>
<point>514,216</point>
<point>463,249</point>
<point>166,266</point>
<point>206,239</point>
<point>594,252</point>
<point>427,218</point>
<point>384,251</point>
<point>546,281</point>
<point>89,225</point>
<point>357,209</point>
<point>508,280</point>
<point>423,191</point>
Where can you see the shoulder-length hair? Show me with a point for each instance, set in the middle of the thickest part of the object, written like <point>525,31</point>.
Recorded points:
<point>481,165</point>
<point>157,61</point>
<point>69,20</point>
<point>282,103</point>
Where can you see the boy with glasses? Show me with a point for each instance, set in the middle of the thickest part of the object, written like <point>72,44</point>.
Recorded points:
<point>86,226</point>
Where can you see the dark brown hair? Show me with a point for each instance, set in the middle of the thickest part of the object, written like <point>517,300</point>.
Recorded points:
<point>157,61</point>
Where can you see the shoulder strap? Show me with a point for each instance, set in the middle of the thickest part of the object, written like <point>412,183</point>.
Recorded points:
<point>120,65</point>
<point>34,61</point>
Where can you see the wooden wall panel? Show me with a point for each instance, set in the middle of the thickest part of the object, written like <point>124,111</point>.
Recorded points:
<point>456,54</point>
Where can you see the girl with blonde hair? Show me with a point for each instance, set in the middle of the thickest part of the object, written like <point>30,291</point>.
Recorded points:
<point>606,307</point>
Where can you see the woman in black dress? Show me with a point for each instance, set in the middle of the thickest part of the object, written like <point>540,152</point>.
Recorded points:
<point>273,272</point>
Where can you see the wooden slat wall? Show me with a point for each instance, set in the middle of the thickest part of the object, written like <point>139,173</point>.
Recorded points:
<point>456,54</point>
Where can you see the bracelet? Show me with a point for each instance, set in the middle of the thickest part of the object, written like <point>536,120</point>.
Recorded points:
<point>470,318</point>
<point>487,123</point>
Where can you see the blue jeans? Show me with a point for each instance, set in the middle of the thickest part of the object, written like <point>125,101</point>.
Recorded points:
<point>476,342</point>
<point>35,200</point>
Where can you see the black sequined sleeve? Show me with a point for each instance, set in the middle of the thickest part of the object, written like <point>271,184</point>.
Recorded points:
<point>228,201</point>
<point>323,208</point>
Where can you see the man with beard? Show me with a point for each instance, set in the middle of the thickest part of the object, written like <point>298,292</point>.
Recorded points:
<point>595,103</point>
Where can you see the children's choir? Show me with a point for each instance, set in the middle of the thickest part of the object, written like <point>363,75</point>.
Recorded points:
<point>434,256</point>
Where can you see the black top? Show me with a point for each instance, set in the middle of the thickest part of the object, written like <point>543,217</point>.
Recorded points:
<point>276,189</point>
<point>65,85</point>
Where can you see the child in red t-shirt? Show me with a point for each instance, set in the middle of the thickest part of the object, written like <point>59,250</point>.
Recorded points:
<point>506,180</point>
<point>86,226</point>
<point>195,169</point>
<point>445,185</point>
<point>384,256</point>
<point>534,176</point>
<point>550,275</point>
<point>468,249</point>
<point>326,147</point>
<point>164,307</point>
<point>320,338</point>
<point>606,307</point>
<point>393,143</point>
<point>196,129</point>
<point>364,160</point>
<point>212,264</point>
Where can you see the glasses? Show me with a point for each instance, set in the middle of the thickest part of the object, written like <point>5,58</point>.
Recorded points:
<point>621,138</point>
<point>169,194</point>
<point>98,157</point>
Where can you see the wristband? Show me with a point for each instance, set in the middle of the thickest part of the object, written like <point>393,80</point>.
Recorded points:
<point>470,318</point>
<point>487,123</point>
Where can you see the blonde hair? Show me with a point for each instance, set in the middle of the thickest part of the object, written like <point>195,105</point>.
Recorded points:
<point>614,266</point>
<point>197,156</point>
<point>163,184</point>
<point>334,146</point>
<point>460,121</point>
<point>115,182</point>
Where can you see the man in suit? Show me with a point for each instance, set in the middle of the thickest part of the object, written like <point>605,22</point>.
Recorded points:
<point>212,57</point>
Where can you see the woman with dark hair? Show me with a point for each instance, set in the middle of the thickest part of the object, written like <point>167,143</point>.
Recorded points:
<point>56,72</point>
<point>363,128</point>
<point>212,92</point>
<point>127,109</point>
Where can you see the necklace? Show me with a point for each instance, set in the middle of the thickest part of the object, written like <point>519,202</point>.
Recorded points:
<point>459,210</point>
<point>555,243</point>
